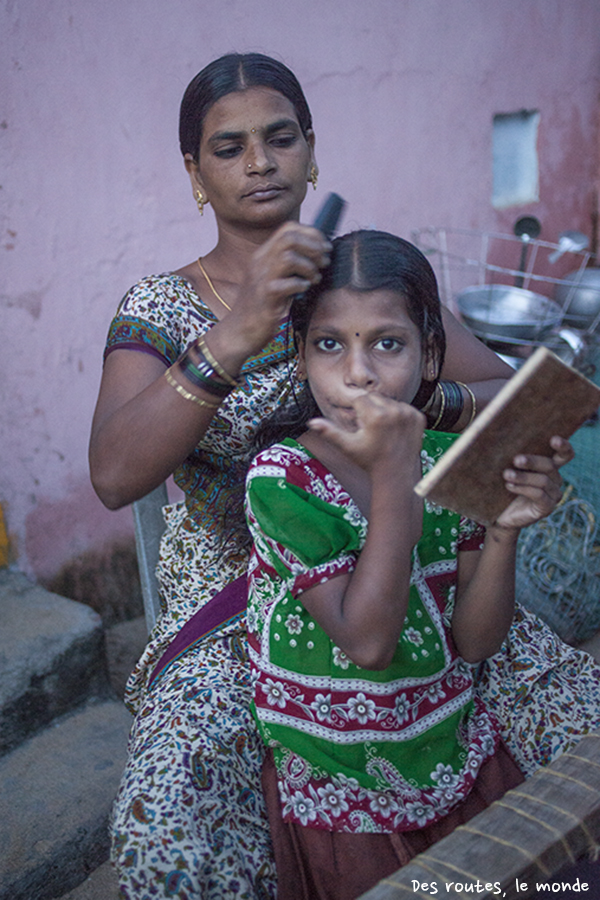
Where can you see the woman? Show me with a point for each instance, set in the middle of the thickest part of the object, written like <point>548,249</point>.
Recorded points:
<point>189,819</point>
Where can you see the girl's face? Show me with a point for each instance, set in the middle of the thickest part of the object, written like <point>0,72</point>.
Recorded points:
<point>254,161</point>
<point>358,343</point>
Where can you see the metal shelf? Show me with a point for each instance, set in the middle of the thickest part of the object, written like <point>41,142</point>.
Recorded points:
<point>464,258</point>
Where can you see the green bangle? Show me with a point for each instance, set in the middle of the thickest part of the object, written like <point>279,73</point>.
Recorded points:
<point>186,394</point>
<point>217,366</point>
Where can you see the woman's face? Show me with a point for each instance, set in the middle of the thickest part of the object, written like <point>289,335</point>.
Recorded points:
<point>360,342</point>
<point>254,161</point>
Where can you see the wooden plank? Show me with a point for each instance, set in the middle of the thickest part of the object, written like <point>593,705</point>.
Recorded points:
<point>544,398</point>
<point>552,819</point>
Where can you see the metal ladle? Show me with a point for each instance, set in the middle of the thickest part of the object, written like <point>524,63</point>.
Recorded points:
<point>569,242</point>
<point>527,228</point>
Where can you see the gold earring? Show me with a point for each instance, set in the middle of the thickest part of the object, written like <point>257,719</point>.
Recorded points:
<point>314,176</point>
<point>200,201</point>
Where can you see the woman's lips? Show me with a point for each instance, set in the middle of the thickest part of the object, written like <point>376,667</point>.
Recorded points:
<point>264,191</point>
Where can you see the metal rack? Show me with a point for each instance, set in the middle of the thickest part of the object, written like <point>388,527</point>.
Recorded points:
<point>465,259</point>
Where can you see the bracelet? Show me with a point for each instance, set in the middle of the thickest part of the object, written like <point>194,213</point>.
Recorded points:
<point>452,404</point>
<point>217,366</point>
<point>442,406</point>
<point>473,401</point>
<point>186,394</point>
<point>203,376</point>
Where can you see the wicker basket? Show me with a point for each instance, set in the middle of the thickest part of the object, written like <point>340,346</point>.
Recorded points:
<point>528,836</point>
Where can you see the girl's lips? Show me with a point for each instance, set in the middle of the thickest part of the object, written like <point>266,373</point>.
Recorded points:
<point>347,416</point>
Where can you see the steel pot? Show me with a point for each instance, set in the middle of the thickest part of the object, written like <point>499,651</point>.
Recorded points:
<point>502,312</point>
<point>579,296</point>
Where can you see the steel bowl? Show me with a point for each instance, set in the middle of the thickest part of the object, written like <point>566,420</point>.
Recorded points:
<point>500,311</point>
<point>579,296</point>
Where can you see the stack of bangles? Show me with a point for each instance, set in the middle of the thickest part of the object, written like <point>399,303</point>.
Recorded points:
<point>445,406</point>
<point>206,373</point>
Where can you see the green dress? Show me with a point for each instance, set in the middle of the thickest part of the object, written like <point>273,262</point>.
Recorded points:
<point>357,750</point>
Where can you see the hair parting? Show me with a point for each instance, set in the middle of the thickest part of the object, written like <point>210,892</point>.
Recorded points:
<point>226,75</point>
<point>363,261</point>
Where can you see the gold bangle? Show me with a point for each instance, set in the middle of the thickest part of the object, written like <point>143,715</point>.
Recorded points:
<point>186,394</point>
<point>442,408</point>
<point>473,401</point>
<point>216,366</point>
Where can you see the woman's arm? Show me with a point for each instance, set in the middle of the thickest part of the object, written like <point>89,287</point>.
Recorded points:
<point>143,428</point>
<point>468,360</point>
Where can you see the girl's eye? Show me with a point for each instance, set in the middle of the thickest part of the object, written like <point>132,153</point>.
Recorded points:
<point>327,344</point>
<point>388,344</point>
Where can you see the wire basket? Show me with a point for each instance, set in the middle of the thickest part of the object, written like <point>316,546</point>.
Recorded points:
<point>558,564</point>
<point>462,258</point>
<point>487,269</point>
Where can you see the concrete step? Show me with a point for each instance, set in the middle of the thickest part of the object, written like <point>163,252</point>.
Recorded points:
<point>52,657</point>
<point>101,885</point>
<point>56,792</point>
<point>125,642</point>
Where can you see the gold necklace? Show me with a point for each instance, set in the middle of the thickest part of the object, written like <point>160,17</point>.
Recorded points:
<point>211,285</point>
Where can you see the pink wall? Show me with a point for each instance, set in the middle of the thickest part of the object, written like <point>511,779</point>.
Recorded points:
<point>403,93</point>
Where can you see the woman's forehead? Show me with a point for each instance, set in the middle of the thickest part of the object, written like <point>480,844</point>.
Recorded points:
<point>252,108</point>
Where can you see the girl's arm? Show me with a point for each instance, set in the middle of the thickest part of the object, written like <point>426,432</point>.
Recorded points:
<point>486,581</point>
<point>142,428</point>
<point>364,612</point>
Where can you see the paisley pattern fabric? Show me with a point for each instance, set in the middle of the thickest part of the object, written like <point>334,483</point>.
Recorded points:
<point>357,750</point>
<point>189,821</point>
<point>162,315</point>
<point>175,835</point>
<point>545,694</point>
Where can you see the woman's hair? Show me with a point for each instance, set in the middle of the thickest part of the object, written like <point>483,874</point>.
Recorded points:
<point>230,73</point>
<point>363,261</point>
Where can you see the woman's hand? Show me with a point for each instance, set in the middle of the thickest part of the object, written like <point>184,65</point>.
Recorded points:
<point>537,482</point>
<point>288,263</point>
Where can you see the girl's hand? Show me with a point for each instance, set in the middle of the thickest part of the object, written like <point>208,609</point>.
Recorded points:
<point>387,432</point>
<point>537,481</point>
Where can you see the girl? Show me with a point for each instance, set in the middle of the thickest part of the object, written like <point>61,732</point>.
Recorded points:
<point>362,635</point>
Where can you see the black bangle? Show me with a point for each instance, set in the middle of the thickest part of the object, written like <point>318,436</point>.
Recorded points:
<point>452,406</point>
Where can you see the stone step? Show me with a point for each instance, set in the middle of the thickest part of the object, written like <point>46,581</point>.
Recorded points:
<point>52,657</point>
<point>102,884</point>
<point>56,792</point>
